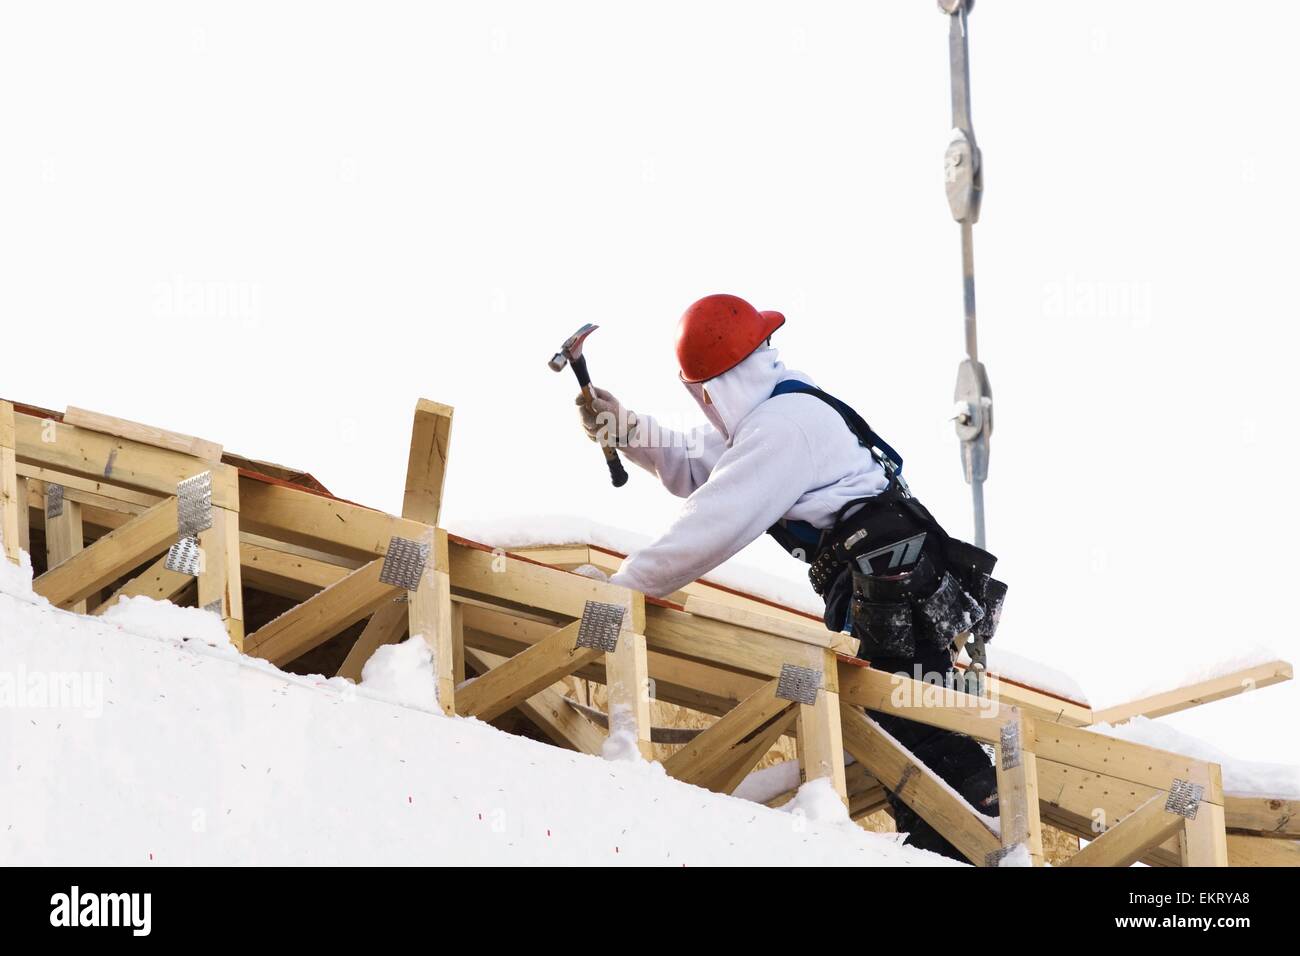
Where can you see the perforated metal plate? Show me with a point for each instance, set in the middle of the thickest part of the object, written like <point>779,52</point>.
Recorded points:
<point>404,563</point>
<point>1009,738</point>
<point>600,625</point>
<point>1184,798</point>
<point>213,607</point>
<point>997,856</point>
<point>184,557</point>
<point>53,500</point>
<point>194,505</point>
<point>798,683</point>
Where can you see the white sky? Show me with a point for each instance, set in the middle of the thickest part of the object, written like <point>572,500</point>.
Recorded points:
<point>277,225</point>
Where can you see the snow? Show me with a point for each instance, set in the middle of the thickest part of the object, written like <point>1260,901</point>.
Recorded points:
<point>817,802</point>
<point>195,754</point>
<point>1240,777</point>
<point>621,743</point>
<point>763,785</point>
<point>403,673</point>
<point>1018,855</point>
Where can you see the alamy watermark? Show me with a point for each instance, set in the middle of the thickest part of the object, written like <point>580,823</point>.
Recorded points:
<point>82,691</point>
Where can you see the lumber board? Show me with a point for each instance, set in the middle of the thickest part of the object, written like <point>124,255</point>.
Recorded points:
<point>94,455</point>
<point>911,781</point>
<point>285,573</point>
<point>1205,838</point>
<point>820,737</point>
<point>426,466</point>
<point>755,620</point>
<point>140,540</point>
<point>505,687</point>
<point>386,626</point>
<point>1244,850</point>
<point>155,582</point>
<point>1263,816</point>
<point>144,434</point>
<point>320,617</point>
<point>428,610</point>
<point>549,709</point>
<point>1018,788</point>
<point>679,633</point>
<point>307,519</point>
<point>511,581</point>
<point>902,696</point>
<point>1038,704</point>
<point>1124,759</point>
<point>11,497</point>
<point>103,494</point>
<point>740,762</point>
<point>220,584</point>
<point>627,673</point>
<point>1125,842</point>
<point>1202,692</point>
<point>696,760</point>
<point>64,537</point>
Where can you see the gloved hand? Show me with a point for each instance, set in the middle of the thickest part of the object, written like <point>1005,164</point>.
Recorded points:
<point>605,420</point>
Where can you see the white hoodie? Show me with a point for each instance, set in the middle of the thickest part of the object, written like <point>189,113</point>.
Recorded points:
<point>761,459</point>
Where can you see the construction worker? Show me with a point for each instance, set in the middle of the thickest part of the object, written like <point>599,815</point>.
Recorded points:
<point>781,456</point>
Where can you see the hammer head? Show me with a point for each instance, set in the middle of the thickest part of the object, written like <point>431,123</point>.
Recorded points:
<point>571,350</point>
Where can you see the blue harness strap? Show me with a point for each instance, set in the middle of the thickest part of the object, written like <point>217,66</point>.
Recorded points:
<point>865,434</point>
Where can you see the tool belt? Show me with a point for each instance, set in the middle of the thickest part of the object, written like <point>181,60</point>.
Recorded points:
<point>891,575</point>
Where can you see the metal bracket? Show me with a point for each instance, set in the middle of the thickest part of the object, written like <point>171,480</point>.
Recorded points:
<point>53,500</point>
<point>1184,798</point>
<point>996,857</point>
<point>1009,740</point>
<point>185,557</point>
<point>799,683</point>
<point>194,505</point>
<point>600,625</point>
<point>404,563</point>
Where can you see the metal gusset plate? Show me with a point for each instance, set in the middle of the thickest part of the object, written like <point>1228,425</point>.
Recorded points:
<point>194,505</point>
<point>600,625</point>
<point>53,500</point>
<point>185,557</point>
<point>1009,739</point>
<point>1184,798</point>
<point>404,563</point>
<point>213,607</point>
<point>996,857</point>
<point>798,683</point>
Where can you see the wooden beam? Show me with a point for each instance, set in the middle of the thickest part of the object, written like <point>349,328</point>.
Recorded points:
<point>549,710</point>
<point>918,786</point>
<point>680,634</point>
<point>11,498</point>
<point>698,759</point>
<point>1261,851</point>
<point>1263,816</point>
<point>1017,771</point>
<point>756,620</point>
<point>386,626</point>
<point>505,687</point>
<point>117,553</point>
<point>627,673</point>
<point>426,466</point>
<point>821,742</point>
<point>902,696</point>
<point>220,585</point>
<point>1202,692</point>
<point>1205,838</point>
<point>1125,842</point>
<point>744,755</point>
<point>100,457</point>
<point>145,434</point>
<point>64,537</point>
<point>300,517</point>
<point>154,582</point>
<point>321,616</point>
<point>429,617</point>
<point>283,572</point>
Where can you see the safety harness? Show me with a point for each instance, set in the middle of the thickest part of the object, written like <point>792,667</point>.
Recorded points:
<point>886,568</point>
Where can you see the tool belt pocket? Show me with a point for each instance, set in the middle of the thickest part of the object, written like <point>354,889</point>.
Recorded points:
<point>947,612</point>
<point>885,630</point>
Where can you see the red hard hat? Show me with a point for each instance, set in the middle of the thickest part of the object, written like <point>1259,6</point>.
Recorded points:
<point>719,332</point>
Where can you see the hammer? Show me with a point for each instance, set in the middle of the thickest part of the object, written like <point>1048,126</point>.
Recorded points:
<point>570,353</point>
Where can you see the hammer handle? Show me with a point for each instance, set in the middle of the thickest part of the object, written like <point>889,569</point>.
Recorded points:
<point>617,473</point>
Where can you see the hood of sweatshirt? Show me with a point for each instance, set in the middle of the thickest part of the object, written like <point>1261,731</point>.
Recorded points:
<point>736,393</point>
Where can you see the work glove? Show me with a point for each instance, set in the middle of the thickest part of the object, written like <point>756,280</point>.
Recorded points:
<point>605,420</point>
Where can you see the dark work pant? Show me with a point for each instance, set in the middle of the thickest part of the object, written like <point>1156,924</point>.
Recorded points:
<point>958,760</point>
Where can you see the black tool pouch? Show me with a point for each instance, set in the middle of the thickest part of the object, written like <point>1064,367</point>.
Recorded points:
<point>885,630</point>
<point>947,612</point>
